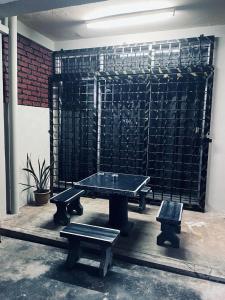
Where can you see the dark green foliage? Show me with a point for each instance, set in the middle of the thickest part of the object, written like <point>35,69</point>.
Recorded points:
<point>40,177</point>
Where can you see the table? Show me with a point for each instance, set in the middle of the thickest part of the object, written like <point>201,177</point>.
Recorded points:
<point>117,187</point>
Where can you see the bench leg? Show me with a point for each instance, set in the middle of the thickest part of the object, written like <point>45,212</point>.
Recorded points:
<point>61,217</point>
<point>142,203</point>
<point>175,228</point>
<point>106,261</point>
<point>75,207</point>
<point>168,234</point>
<point>73,254</point>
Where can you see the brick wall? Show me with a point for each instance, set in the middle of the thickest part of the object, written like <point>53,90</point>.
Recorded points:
<point>34,67</point>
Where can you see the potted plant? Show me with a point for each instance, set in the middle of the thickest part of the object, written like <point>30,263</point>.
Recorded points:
<point>41,179</point>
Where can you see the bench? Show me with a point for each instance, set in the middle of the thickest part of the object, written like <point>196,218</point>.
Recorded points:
<point>170,214</point>
<point>142,200</point>
<point>67,203</point>
<point>104,237</point>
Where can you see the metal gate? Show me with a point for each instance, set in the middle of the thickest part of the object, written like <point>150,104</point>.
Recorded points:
<point>141,110</point>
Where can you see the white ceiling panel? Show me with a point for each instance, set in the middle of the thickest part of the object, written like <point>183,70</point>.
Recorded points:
<point>70,22</point>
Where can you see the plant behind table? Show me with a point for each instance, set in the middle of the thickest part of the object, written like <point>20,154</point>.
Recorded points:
<point>41,177</point>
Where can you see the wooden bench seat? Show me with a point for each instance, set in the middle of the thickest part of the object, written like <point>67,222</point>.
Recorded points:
<point>67,203</point>
<point>104,237</point>
<point>169,215</point>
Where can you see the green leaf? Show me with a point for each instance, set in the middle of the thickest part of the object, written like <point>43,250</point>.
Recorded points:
<point>39,168</point>
<point>28,186</point>
<point>45,178</point>
<point>42,176</point>
<point>26,189</point>
<point>31,168</point>
<point>31,172</point>
<point>45,175</point>
<point>42,168</point>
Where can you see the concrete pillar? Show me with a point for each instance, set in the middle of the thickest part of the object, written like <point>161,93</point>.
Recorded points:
<point>2,143</point>
<point>13,100</point>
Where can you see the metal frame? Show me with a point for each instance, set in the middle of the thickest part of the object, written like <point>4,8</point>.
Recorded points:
<point>113,190</point>
<point>141,109</point>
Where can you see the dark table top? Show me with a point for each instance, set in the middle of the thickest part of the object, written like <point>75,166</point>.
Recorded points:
<point>114,183</point>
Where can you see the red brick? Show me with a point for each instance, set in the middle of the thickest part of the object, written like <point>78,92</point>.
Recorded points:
<point>45,95</point>
<point>35,73</point>
<point>21,51</point>
<point>5,45</point>
<point>36,47</point>
<point>26,59</point>
<point>20,45</point>
<point>36,103</point>
<point>40,59</point>
<point>33,78</point>
<point>26,81</point>
<point>44,104</point>
<point>25,70</point>
<point>41,79</point>
<point>33,88</point>
<point>35,93</point>
<point>24,40</point>
<point>23,64</point>
<point>29,50</point>
<point>22,86</point>
<point>24,97</point>
<point>26,102</point>
<point>27,92</point>
<point>44,51</point>
<point>34,68</point>
<point>38,53</point>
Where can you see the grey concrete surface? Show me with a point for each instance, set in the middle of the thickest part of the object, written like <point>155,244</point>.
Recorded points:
<point>201,249</point>
<point>34,271</point>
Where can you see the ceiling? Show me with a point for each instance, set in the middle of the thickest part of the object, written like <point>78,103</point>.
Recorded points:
<point>69,23</point>
<point>17,7</point>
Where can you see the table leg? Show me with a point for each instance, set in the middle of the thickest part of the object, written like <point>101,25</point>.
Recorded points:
<point>118,214</point>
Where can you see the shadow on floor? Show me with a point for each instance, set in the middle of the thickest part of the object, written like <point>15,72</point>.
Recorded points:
<point>139,238</point>
<point>121,281</point>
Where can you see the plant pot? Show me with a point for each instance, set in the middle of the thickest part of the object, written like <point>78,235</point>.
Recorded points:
<point>41,198</point>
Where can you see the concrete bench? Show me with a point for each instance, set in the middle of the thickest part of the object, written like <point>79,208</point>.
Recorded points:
<point>142,199</point>
<point>67,203</point>
<point>104,237</point>
<point>170,214</point>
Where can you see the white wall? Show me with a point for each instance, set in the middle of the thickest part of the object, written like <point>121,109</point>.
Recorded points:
<point>33,126</point>
<point>215,195</point>
<point>2,144</point>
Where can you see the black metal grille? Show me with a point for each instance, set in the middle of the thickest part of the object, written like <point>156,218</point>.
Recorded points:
<point>140,109</point>
<point>74,139</point>
<point>182,53</point>
<point>122,128</point>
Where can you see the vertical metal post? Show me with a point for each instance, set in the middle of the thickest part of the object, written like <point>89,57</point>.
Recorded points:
<point>13,99</point>
<point>2,142</point>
